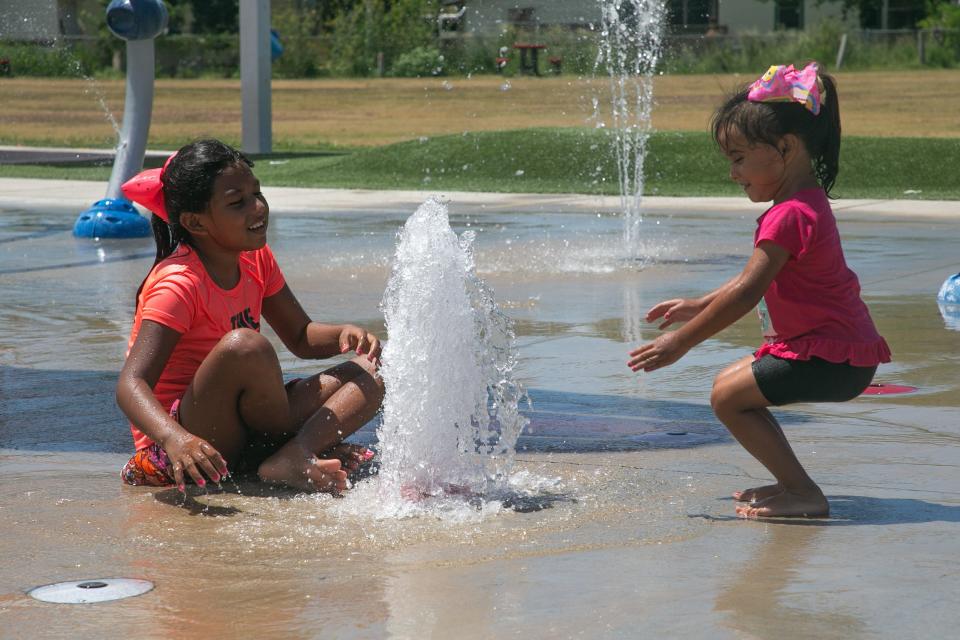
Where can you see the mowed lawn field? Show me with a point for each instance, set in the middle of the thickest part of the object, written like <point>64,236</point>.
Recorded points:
<point>352,113</point>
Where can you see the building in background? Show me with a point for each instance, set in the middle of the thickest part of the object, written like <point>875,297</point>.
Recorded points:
<point>489,17</point>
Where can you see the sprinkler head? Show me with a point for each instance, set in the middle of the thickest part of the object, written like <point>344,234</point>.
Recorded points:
<point>112,218</point>
<point>136,19</point>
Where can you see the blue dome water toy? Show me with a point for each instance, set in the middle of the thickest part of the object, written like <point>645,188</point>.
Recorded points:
<point>112,218</point>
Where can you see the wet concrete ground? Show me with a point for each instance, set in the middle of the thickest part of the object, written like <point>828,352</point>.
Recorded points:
<point>631,533</point>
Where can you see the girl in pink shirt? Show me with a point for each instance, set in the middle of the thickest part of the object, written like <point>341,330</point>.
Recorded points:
<point>201,386</point>
<point>782,138</point>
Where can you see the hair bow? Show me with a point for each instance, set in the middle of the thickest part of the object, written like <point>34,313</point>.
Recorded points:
<point>146,189</point>
<point>783,83</point>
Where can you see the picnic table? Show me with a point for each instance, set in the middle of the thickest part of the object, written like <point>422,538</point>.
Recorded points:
<point>528,56</point>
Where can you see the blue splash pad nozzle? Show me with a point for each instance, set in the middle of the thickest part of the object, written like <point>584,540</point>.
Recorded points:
<point>112,218</point>
<point>948,300</point>
<point>137,19</point>
<point>950,291</point>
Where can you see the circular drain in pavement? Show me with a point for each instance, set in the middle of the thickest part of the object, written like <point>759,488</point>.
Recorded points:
<point>87,591</point>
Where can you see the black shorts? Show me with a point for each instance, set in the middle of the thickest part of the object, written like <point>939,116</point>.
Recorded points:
<point>783,381</point>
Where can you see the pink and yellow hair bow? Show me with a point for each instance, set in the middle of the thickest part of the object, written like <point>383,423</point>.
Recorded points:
<point>146,189</point>
<point>783,83</point>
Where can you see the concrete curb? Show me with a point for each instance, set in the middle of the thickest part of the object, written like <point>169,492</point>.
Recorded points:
<point>75,195</point>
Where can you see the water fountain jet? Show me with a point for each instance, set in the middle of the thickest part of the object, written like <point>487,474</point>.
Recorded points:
<point>630,47</point>
<point>451,414</point>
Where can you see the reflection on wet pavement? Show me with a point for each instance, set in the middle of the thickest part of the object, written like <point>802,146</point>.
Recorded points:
<point>630,523</point>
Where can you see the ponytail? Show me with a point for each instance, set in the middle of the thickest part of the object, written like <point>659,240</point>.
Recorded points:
<point>168,237</point>
<point>825,150</point>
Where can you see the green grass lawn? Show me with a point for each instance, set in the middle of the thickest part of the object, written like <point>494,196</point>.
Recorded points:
<point>579,161</point>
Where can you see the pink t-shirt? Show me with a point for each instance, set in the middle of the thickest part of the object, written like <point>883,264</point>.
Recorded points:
<point>180,294</point>
<point>814,302</point>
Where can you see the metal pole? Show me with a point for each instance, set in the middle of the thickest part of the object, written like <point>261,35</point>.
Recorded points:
<point>841,50</point>
<point>255,76</point>
<point>137,109</point>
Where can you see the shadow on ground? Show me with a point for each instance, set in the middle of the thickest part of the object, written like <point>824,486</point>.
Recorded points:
<point>75,410</point>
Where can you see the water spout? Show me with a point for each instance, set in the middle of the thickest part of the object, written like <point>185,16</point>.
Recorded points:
<point>630,47</point>
<point>450,416</point>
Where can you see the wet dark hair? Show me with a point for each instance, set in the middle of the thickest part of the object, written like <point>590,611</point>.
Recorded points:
<point>768,122</point>
<point>188,187</point>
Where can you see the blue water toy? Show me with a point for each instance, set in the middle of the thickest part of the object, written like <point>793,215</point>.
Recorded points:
<point>111,218</point>
<point>948,299</point>
<point>138,22</point>
<point>136,19</point>
<point>276,46</point>
<point>950,291</point>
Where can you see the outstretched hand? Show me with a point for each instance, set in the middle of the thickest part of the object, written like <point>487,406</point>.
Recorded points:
<point>663,351</point>
<point>356,339</point>
<point>194,456</point>
<point>675,310</point>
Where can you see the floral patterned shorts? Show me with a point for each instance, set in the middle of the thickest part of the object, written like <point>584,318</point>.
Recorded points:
<point>150,466</point>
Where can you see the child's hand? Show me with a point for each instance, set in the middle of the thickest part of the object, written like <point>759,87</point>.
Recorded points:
<point>663,351</point>
<point>363,342</point>
<point>191,455</point>
<point>676,310</point>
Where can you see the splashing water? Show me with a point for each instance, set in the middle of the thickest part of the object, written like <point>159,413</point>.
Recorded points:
<point>450,416</point>
<point>92,85</point>
<point>630,47</point>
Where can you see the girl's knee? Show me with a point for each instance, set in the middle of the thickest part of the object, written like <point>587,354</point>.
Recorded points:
<point>718,398</point>
<point>247,344</point>
<point>723,399</point>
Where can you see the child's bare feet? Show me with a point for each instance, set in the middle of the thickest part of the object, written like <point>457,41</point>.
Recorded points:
<point>757,494</point>
<point>300,469</point>
<point>787,505</point>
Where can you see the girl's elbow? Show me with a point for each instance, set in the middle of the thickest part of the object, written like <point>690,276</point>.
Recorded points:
<point>748,294</point>
<point>126,387</point>
<point>753,295</point>
<point>121,393</point>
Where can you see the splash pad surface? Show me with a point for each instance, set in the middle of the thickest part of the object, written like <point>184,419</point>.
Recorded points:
<point>620,522</point>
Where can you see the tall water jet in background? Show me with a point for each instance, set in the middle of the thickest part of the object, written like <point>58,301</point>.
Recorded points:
<point>630,47</point>
<point>450,417</point>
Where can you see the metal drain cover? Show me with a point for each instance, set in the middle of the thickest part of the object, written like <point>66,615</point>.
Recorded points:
<point>86,591</point>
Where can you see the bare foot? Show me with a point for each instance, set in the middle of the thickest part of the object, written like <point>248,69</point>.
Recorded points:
<point>300,469</point>
<point>757,494</point>
<point>787,505</point>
